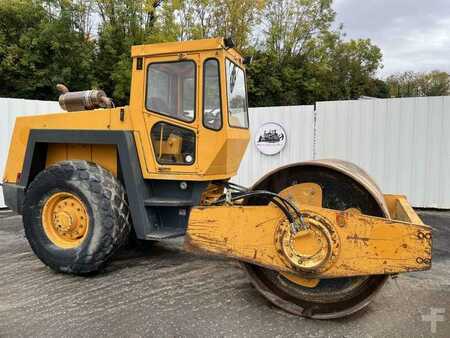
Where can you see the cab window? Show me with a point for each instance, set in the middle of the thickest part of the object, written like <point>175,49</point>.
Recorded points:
<point>171,89</point>
<point>237,96</point>
<point>212,112</point>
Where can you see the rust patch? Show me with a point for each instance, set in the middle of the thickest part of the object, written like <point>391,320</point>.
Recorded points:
<point>341,219</point>
<point>357,239</point>
<point>258,225</point>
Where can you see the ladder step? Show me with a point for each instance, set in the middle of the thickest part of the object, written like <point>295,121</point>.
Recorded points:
<point>166,233</point>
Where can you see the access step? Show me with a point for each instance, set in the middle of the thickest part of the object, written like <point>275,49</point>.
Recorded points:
<point>165,233</point>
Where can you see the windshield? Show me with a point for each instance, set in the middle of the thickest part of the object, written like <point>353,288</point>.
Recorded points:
<point>171,89</point>
<point>237,96</point>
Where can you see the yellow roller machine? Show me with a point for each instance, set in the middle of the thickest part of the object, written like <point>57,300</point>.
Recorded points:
<point>317,239</point>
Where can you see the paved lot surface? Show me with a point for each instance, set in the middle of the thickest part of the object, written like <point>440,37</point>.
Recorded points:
<point>165,292</point>
<point>5,213</point>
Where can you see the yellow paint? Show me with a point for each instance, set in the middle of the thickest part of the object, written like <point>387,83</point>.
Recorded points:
<point>65,220</point>
<point>169,148</point>
<point>399,208</point>
<point>106,156</point>
<point>55,153</point>
<point>103,154</point>
<point>183,47</point>
<point>304,194</point>
<point>367,245</point>
<point>312,249</point>
<point>218,153</point>
<point>307,282</point>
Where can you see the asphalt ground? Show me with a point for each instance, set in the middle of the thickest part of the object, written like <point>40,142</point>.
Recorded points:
<point>165,292</point>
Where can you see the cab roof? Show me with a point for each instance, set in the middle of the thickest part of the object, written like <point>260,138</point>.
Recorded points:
<point>182,47</point>
<point>177,47</point>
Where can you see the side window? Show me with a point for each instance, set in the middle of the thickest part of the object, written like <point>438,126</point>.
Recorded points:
<point>173,144</point>
<point>212,112</point>
<point>237,96</point>
<point>171,89</point>
<point>189,96</point>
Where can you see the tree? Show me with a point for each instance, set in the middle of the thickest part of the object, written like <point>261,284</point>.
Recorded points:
<point>280,72</point>
<point>236,19</point>
<point>409,84</point>
<point>353,65</point>
<point>291,24</point>
<point>377,88</point>
<point>199,19</point>
<point>41,44</point>
<point>304,60</point>
<point>132,22</point>
<point>299,58</point>
<point>123,24</point>
<point>328,69</point>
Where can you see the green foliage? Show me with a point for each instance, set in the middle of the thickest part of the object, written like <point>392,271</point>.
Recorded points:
<point>199,19</point>
<point>322,66</point>
<point>408,84</point>
<point>41,46</point>
<point>124,23</point>
<point>299,58</point>
<point>351,67</point>
<point>291,24</point>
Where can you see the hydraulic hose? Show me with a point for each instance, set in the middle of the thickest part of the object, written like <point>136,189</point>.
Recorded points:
<point>283,204</point>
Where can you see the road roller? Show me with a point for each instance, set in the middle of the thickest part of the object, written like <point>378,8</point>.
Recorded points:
<point>317,239</point>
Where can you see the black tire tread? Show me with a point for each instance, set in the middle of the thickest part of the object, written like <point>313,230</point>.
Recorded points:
<point>107,196</point>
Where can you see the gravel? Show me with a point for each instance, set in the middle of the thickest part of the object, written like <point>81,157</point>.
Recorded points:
<point>165,292</point>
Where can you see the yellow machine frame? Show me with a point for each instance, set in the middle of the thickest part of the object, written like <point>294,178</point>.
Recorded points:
<point>220,155</point>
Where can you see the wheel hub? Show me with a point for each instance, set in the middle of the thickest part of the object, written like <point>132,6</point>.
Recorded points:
<point>312,249</point>
<point>65,220</point>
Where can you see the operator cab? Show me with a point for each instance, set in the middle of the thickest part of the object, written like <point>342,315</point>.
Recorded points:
<point>194,98</point>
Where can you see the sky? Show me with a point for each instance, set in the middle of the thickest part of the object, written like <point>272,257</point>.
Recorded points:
<point>412,34</point>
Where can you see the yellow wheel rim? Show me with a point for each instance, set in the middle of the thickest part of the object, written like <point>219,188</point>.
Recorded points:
<point>65,220</point>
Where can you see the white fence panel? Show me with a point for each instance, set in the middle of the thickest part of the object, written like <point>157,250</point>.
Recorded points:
<point>298,123</point>
<point>9,110</point>
<point>404,144</point>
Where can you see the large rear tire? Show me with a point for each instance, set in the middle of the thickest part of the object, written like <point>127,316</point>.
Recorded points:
<point>330,298</point>
<point>76,217</point>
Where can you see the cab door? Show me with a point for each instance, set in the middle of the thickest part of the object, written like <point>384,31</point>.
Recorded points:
<point>172,111</point>
<point>213,124</point>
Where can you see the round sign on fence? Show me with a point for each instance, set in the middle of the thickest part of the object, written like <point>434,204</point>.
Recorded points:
<point>270,138</point>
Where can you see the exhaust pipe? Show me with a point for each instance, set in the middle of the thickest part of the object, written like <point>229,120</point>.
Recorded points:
<point>84,100</point>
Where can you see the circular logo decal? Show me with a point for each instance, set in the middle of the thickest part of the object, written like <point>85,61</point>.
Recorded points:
<point>270,139</point>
